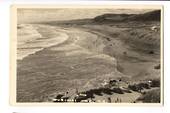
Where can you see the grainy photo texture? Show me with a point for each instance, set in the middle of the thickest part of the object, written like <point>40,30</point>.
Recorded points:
<point>88,55</point>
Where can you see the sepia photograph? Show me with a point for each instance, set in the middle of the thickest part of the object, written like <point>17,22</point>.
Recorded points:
<point>86,54</point>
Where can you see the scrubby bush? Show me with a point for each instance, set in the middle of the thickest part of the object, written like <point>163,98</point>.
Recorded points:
<point>152,96</point>
<point>89,94</point>
<point>157,66</point>
<point>127,91</point>
<point>139,86</point>
<point>155,83</point>
<point>144,85</point>
<point>151,52</point>
<point>96,91</point>
<point>107,91</point>
<point>135,87</point>
<point>118,90</point>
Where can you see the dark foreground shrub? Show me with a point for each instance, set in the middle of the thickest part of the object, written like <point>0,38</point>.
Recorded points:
<point>152,96</point>
<point>139,86</point>
<point>96,91</point>
<point>107,91</point>
<point>157,66</point>
<point>118,90</point>
<point>135,87</point>
<point>89,94</point>
<point>144,85</point>
<point>155,83</point>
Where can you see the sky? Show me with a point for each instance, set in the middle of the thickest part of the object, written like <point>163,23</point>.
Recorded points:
<point>46,15</point>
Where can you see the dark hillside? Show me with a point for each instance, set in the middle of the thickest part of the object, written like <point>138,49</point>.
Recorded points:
<point>149,16</point>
